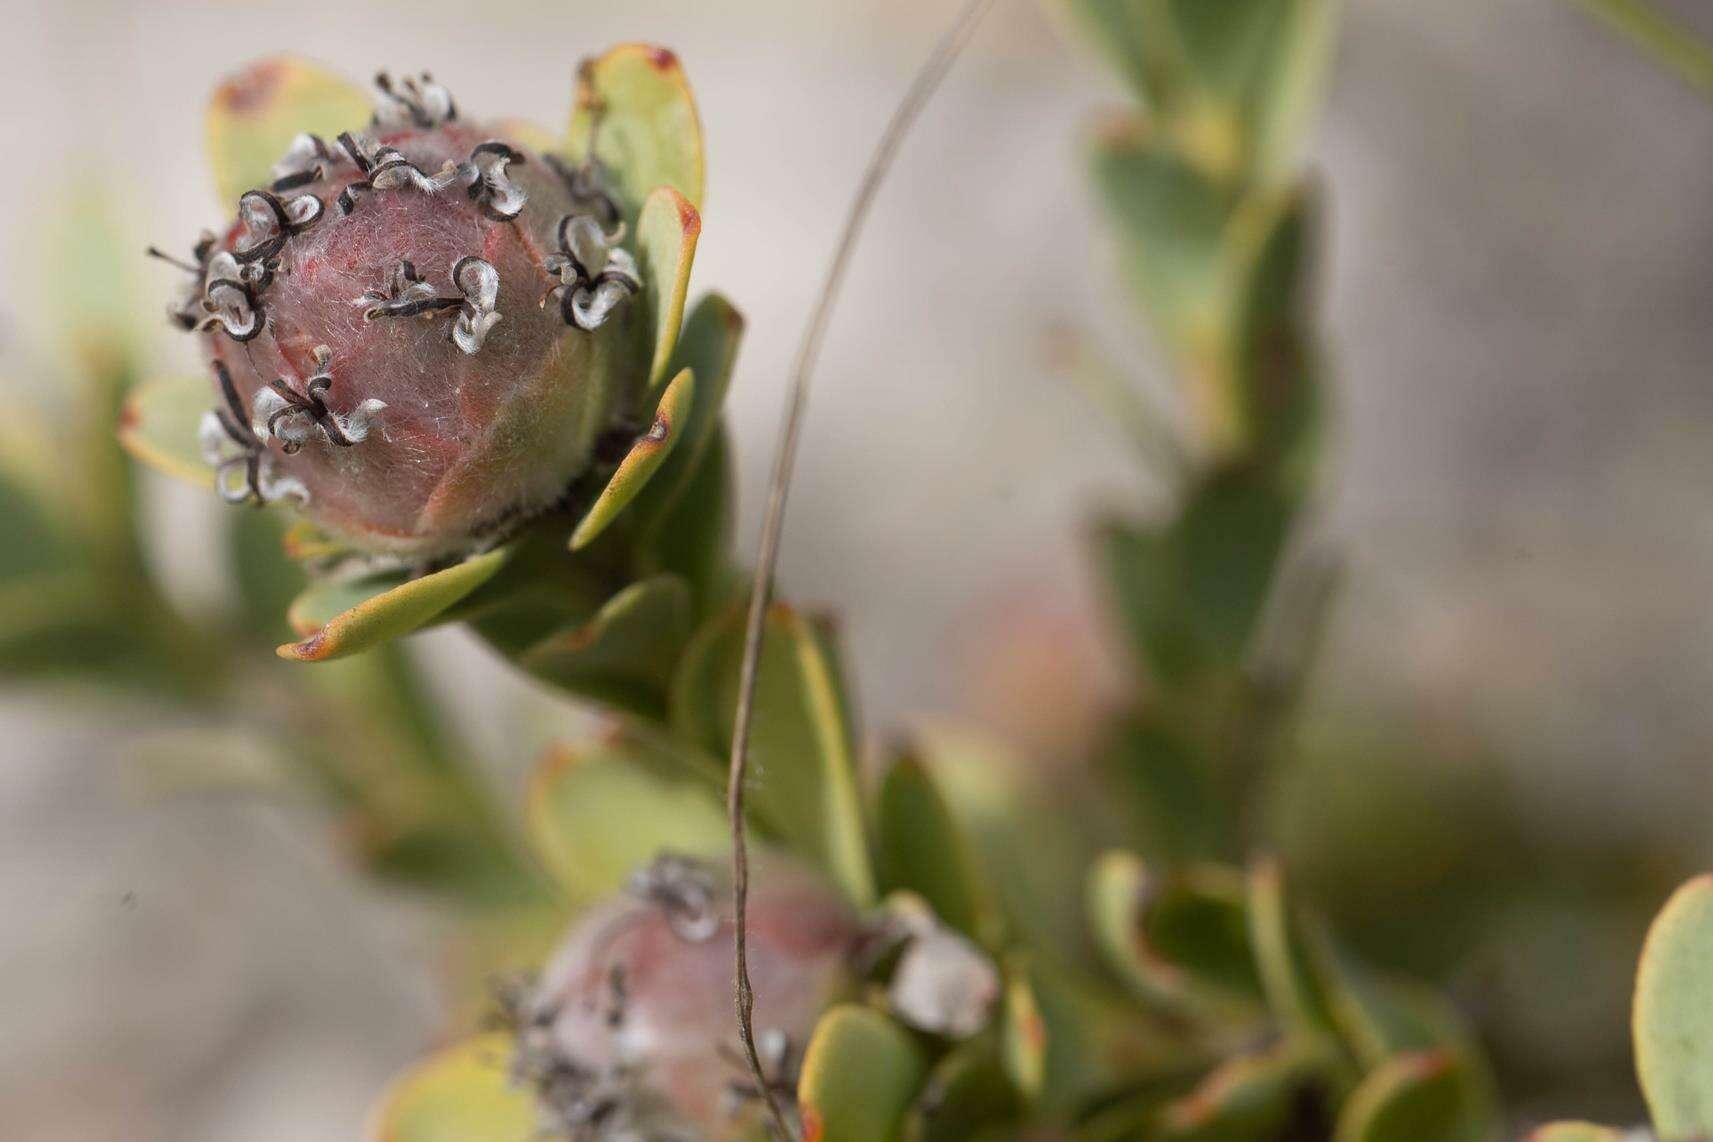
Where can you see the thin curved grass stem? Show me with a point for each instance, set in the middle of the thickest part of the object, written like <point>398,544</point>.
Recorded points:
<point>921,89</point>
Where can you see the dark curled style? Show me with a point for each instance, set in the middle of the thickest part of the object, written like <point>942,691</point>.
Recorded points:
<point>495,195</point>
<point>233,423</point>
<point>307,161</point>
<point>264,213</point>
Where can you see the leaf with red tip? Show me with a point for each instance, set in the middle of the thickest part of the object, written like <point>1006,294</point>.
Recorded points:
<point>1431,1094</point>
<point>1024,1037</point>
<point>860,1074</point>
<point>647,453</point>
<point>344,618</point>
<point>666,235</point>
<point>708,347</point>
<point>636,114</point>
<point>463,1093</point>
<point>1247,1098</point>
<point>684,516</point>
<point>159,424</point>
<point>255,114</point>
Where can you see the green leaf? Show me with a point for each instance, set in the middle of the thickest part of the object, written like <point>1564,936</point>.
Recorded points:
<point>635,113</point>
<point>1673,1017</point>
<point>597,814</point>
<point>1265,60</point>
<point>1380,1017</point>
<point>254,115</point>
<point>708,347</point>
<point>1277,381</point>
<point>1248,1098</point>
<point>690,536</point>
<point>624,655</point>
<point>543,589</point>
<point>1179,939</point>
<point>1574,1132</point>
<point>1173,219</point>
<point>647,453</point>
<point>861,1072</point>
<point>1195,917</point>
<point>1295,991</point>
<point>666,235</point>
<point>159,424</point>
<point>1424,1097</point>
<point>921,848</point>
<point>337,619</point>
<point>1166,788</point>
<point>802,765</point>
<point>1068,1040</point>
<point>461,1094</point>
<point>1029,845</point>
<point>684,516</point>
<point>1231,534</point>
<point>1141,569</point>
<point>967,1093</point>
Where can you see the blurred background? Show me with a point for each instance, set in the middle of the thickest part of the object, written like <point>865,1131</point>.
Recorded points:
<point>1511,708</point>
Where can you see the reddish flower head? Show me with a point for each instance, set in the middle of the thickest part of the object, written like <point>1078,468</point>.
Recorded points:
<point>632,1019</point>
<point>417,331</point>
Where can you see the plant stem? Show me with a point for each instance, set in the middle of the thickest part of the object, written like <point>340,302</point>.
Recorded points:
<point>767,555</point>
<point>1667,43</point>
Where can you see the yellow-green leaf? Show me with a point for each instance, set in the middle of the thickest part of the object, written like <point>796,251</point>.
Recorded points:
<point>159,424</point>
<point>254,115</point>
<point>1574,1132</point>
<point>802,765</point>
<point>636,114</point>
<point>1024,1039</point>
<point>387,612</point>
<point>708,347</point>
<point>647,453</point>
<point>597,814</point>
<point>666,235</point>
<point>463,1093</point>
<point>1673,1015</point>
<point>1295,991</point>
<point>860,1073</point>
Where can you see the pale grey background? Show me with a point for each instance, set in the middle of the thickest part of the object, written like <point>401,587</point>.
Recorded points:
<point>1519,284</point>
